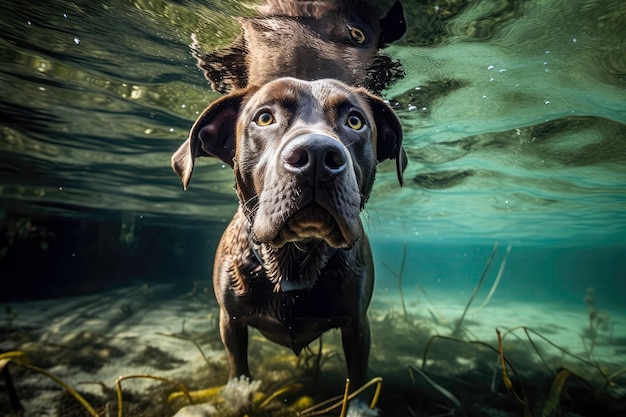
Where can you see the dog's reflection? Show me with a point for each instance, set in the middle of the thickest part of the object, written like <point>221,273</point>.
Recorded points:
<point>309,40</point>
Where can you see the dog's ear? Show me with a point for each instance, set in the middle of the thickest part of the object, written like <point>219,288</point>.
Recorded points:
<point>226,69</point>
<point>393,25</point>
<point>389,135</point>
<point>213,134</point>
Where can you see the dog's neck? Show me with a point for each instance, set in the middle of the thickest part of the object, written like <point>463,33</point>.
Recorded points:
<point>295,265</point>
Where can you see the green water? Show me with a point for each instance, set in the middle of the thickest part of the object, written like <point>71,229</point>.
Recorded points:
<point>514,119</point>
<point>517,109</point>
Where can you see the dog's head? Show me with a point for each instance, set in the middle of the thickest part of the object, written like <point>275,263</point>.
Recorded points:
<point>304,156</point>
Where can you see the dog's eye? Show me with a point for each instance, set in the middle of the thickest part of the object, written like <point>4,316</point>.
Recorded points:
<point>355,121</point>
<point>357,35</point>
<point>264,119</point>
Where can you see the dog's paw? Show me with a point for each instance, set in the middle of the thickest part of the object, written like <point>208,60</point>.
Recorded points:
<point>239,392</point>
<point>197,410</point>
<point>359,408</point>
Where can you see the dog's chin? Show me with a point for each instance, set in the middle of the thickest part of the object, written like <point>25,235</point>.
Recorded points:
<point>315,223</point>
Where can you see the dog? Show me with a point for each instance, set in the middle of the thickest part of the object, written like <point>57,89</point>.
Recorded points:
<point>294,261</point>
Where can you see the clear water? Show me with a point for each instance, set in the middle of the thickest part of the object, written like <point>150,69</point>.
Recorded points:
<point>514,115</point>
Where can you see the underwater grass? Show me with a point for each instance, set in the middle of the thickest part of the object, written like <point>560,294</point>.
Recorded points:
<point>459,323</point>
<point>551,407</point>
<point>550,398</point>
<point>262,404</point>
<point>259,405</point>
<point>118,388</point>
<point>399,276</point>
<point>496,282</point>
<point>446,393</point>
<point>343,401</point>
<point>21,359</point>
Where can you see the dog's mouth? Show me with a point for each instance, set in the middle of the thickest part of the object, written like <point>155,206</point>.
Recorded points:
<point>314,222</point>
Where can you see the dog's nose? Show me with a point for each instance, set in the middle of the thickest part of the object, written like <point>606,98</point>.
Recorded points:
<point>314,154</point>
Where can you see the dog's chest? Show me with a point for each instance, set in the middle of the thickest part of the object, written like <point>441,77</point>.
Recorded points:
<point>295,318</point>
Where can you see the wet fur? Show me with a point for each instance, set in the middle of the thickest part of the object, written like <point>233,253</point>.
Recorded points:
<point>294,261</point>
<point>295,264</point>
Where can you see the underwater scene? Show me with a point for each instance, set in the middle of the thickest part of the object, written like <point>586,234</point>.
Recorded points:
<point>497,218</point>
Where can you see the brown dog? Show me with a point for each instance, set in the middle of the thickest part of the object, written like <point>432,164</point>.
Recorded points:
<point>294,261</point>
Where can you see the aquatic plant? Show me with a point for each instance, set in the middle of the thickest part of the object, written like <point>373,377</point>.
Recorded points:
<point>360,409</point>
<point>118,388</point>
<point>238,396</point>
<point>188,339</point>
<point>496,282</point>
<point>598,320</point>
<point>503,361</point>
<point>521,399</point>
<point>549,384</point>
<point>457,331</point>
<point>238,393</point>
<point>459,323</point>
<point>241,396</point>
<point>311,362</point>
<point>398,276</point>
<point>552,407</point>
<point>244,396</point>
<point>548,404</point>
<point>446,393</point>
<point>343,401</point>
<point>457,328</point>
<point>21,359</point>
<point>437,317</point>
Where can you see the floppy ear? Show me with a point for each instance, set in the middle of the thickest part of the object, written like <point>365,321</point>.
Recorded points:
<point>226,69</point>
<point>213,134</point>
<point>389,137</point>
<point>393,25</point>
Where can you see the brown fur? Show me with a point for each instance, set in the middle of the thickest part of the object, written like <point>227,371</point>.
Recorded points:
<point>294,262</point>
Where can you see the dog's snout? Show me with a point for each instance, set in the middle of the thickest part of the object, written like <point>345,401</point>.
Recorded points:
<point>297,158</point>
<point>315,155</point>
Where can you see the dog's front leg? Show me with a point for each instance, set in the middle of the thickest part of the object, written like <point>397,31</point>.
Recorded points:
<point>356,342</point>
<point>234,335</point>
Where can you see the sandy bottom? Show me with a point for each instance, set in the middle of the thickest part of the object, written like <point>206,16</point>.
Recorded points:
<point>429,366</point>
